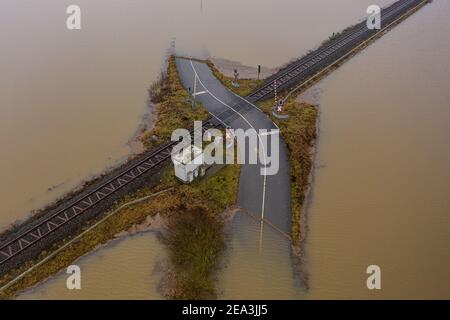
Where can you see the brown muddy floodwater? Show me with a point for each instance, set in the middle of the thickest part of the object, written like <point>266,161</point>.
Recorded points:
<point>70,102</point>
<point>382,189</point>
<point>102,270</point>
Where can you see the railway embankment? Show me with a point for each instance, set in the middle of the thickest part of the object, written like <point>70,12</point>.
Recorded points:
<point>210,196</point>
<point>340,47</point>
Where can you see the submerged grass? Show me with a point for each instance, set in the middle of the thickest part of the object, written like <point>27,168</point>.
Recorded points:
<point>195,241</point>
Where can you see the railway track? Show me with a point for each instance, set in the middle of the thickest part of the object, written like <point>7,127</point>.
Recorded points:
<point>309,65</point>
<point>32,234</point>
<point>15,245</point>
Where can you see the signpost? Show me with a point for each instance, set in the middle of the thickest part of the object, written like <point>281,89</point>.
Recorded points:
<point>275,90</point>
<point>277,109</point>
<point>195,88</point>
<point>235,81</point>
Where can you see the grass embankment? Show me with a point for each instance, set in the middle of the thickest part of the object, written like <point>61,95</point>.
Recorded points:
<point>194,257</point>
<point>194,234</point>
<point>299,132</point>
<point>172,108</point>
<point>193,252</point>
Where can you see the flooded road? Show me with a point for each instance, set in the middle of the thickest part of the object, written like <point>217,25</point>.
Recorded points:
<point>70,102</point>
<point>258,264</point>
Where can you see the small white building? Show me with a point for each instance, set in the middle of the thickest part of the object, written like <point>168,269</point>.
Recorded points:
<point>188,164</point>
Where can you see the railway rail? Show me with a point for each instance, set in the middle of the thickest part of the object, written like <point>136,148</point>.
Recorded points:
<point>15,245</point>
<point>325,55</point>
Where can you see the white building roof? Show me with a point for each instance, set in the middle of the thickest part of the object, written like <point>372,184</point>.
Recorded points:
<point>189,155</point>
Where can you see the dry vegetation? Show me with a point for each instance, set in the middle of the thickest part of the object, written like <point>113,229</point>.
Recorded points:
<point>172,108</point>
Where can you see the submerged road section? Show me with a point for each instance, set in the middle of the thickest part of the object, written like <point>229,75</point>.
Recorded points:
<point>263,196</point>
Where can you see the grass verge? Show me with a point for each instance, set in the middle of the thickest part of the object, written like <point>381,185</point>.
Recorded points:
<point>299,132</point>
<point>172,107</point>
<point>195,243</point>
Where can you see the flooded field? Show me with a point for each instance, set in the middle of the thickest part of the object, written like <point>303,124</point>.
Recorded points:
<point>381,193</point>
<point>71,101</point>
<point>112,272</point>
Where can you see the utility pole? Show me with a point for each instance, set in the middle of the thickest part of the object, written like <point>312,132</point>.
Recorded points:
<point>195,88</point>
<point>278,107</point>
<point>275,91</point>
<point>235,82</point>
